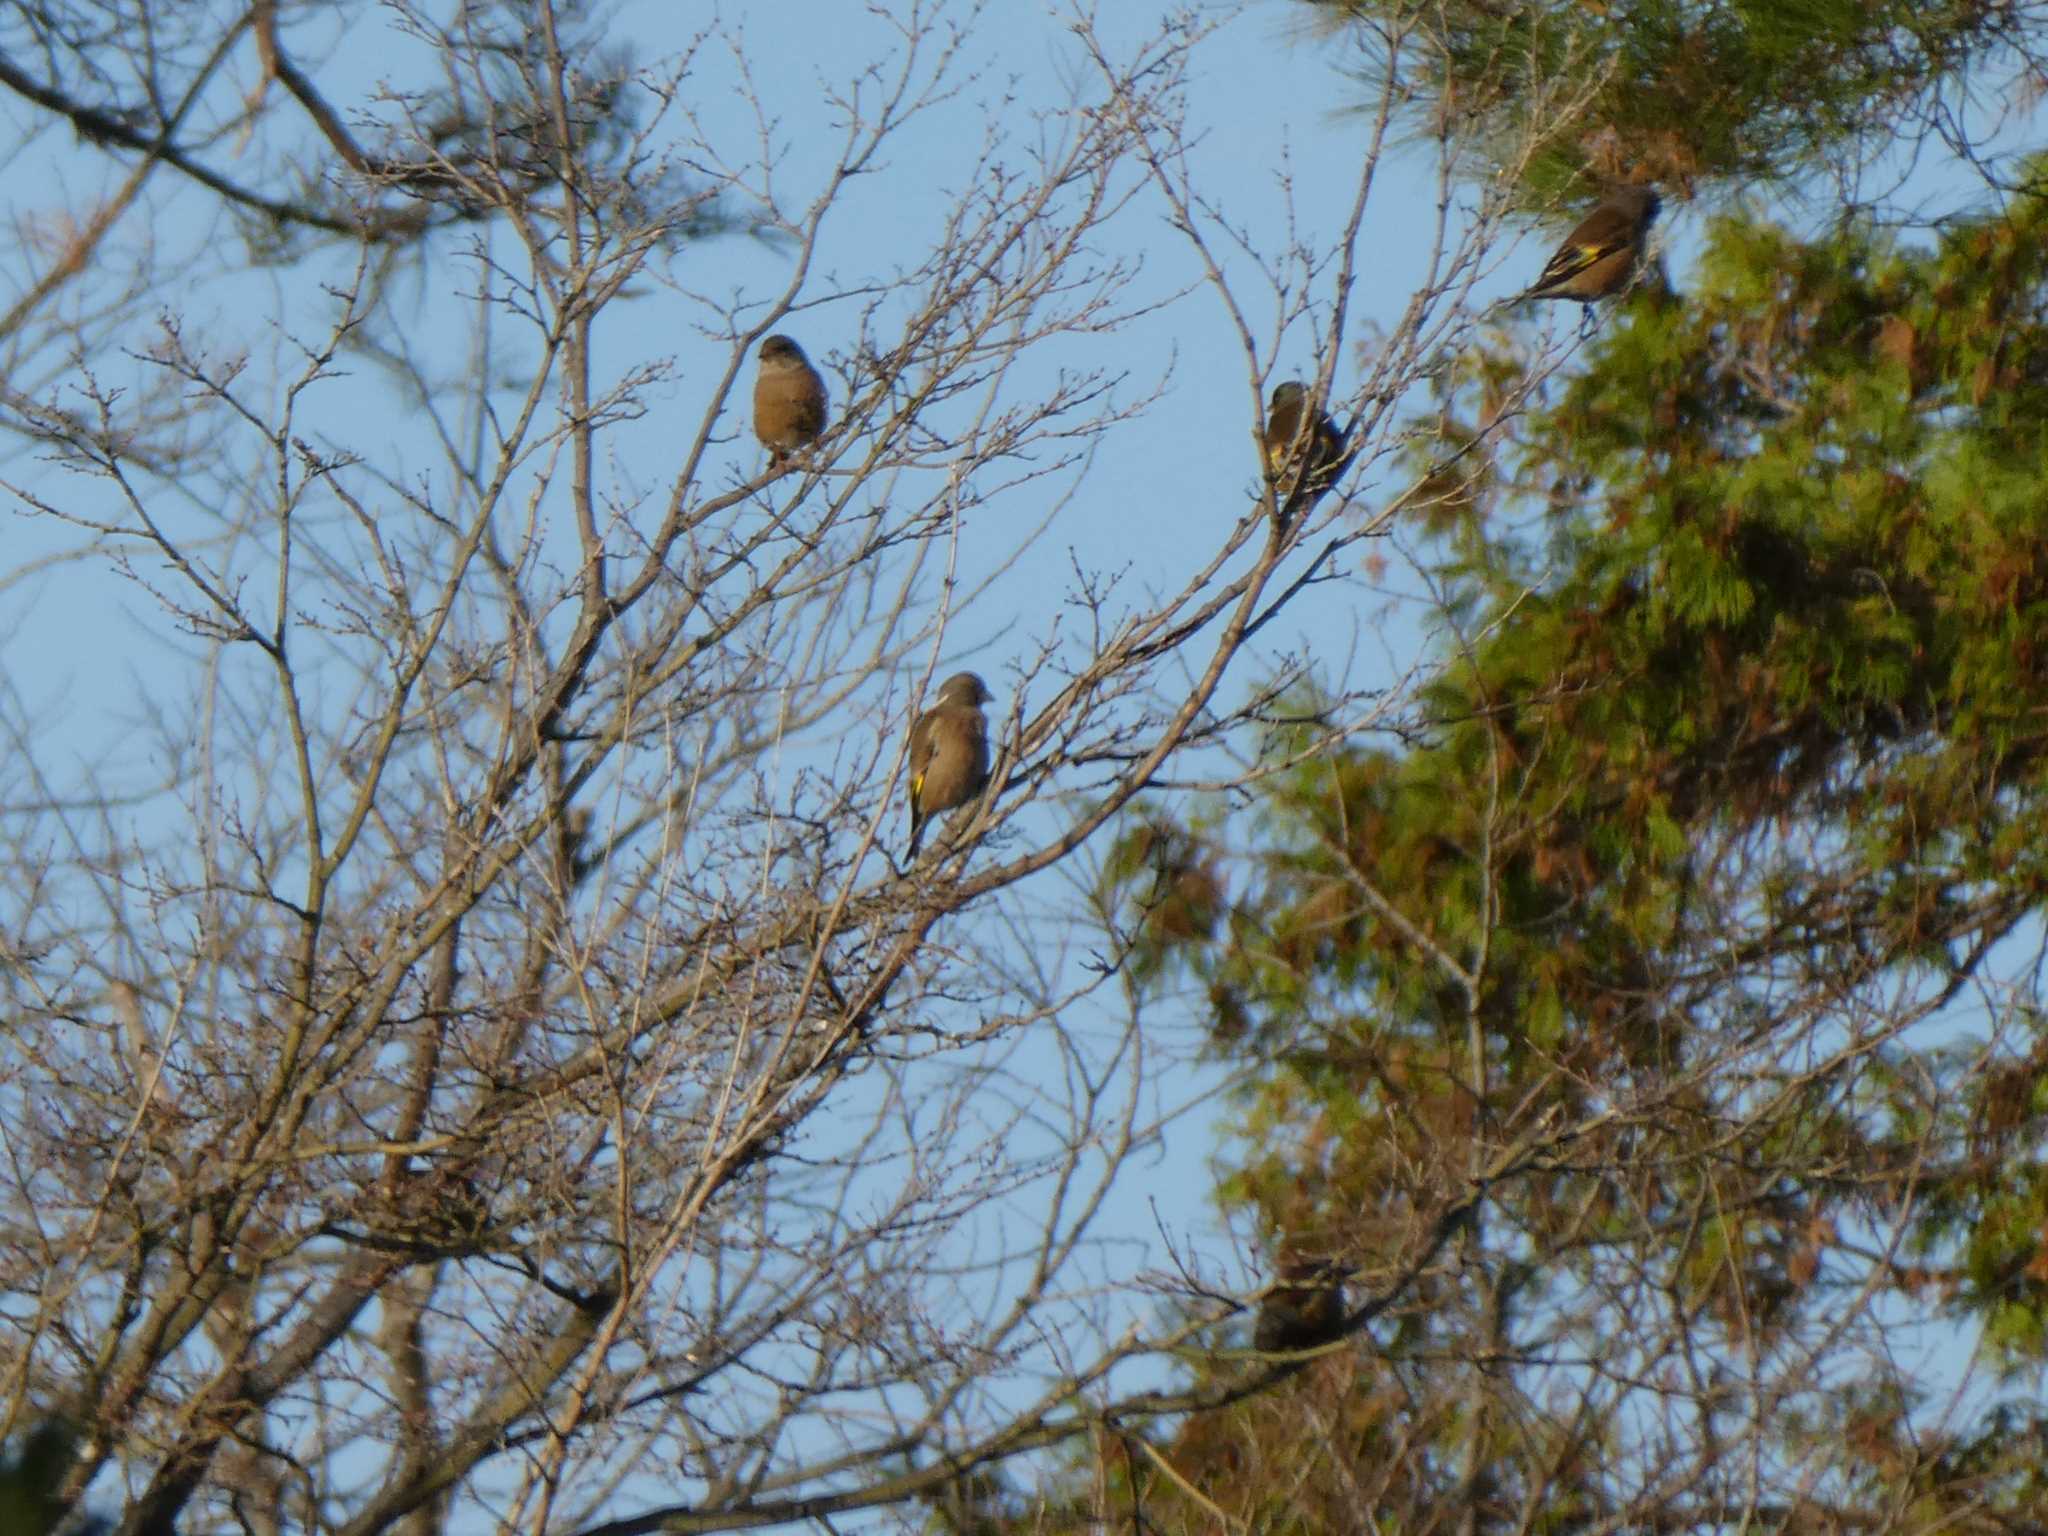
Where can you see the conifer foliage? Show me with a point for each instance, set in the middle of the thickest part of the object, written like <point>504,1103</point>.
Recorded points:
<point>1685,942</point>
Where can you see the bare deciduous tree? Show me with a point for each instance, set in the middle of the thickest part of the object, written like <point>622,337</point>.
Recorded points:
<point>471,1060</point>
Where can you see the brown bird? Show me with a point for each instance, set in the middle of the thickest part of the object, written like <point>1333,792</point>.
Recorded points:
<point>1599,257</point>
<point>1304,1308</point>
<point>948,752</point>
<point>789,400</point>
<point>1319,451</point>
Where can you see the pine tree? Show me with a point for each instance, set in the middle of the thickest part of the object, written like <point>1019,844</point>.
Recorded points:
<point>1654,1030</point>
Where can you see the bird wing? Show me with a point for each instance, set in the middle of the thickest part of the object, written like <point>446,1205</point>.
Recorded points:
<point>1330,460</point>
<point>1603,232</point>
<point>811,406</point>
<point>923,742</point>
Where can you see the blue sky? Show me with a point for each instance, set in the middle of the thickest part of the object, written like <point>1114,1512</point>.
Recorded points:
<point>90,657</point>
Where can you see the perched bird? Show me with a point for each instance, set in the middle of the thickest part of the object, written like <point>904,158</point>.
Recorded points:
<point>1599,257</point>
<point>1319,451</point>
<point>789,400</point>
<point>948,752</point>
<point>1304,1308</point>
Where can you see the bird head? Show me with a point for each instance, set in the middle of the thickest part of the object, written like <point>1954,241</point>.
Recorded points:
<point>781,349</point>
<point>963,688</point>
<point>1639,202</point>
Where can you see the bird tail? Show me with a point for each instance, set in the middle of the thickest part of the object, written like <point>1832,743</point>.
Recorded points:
<point>916,836</point>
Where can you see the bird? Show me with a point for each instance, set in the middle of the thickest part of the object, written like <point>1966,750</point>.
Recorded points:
<point>789,400</point>
<point>948,752</point>
<point>1319,451</point>
<point>1599,256</point>
<point>1304,1307</point>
